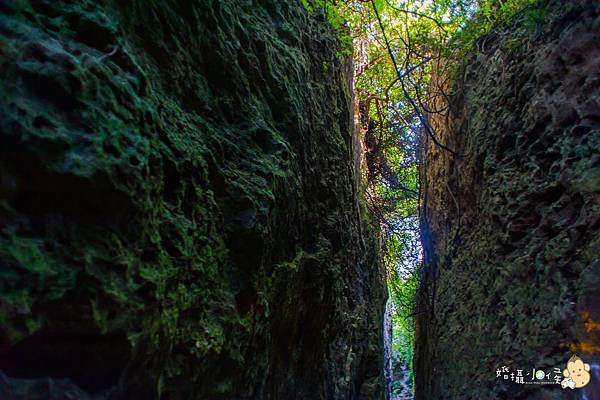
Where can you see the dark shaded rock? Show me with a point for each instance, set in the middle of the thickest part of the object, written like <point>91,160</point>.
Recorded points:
<point>40,389</point>
<point>510,229</point>
<point>177,212</point>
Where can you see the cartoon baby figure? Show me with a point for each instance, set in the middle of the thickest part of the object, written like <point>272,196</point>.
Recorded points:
<point>577,374</point>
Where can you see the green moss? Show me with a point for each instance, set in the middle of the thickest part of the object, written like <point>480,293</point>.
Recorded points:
<point>181,183</point>
<point>510,259</point>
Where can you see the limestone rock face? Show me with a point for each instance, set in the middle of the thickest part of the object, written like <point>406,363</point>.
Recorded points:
<point>510,225</point>
<point>178,216</point>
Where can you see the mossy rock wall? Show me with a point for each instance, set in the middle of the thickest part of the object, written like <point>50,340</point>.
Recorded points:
<point>510,224</point>
<point>178,216</point>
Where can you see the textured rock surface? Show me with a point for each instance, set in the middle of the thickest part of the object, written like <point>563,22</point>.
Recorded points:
<point>511,227</point>
<point>177,212</point>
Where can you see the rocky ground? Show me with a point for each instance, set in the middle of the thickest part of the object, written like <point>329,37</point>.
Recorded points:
<point>402,385</point>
